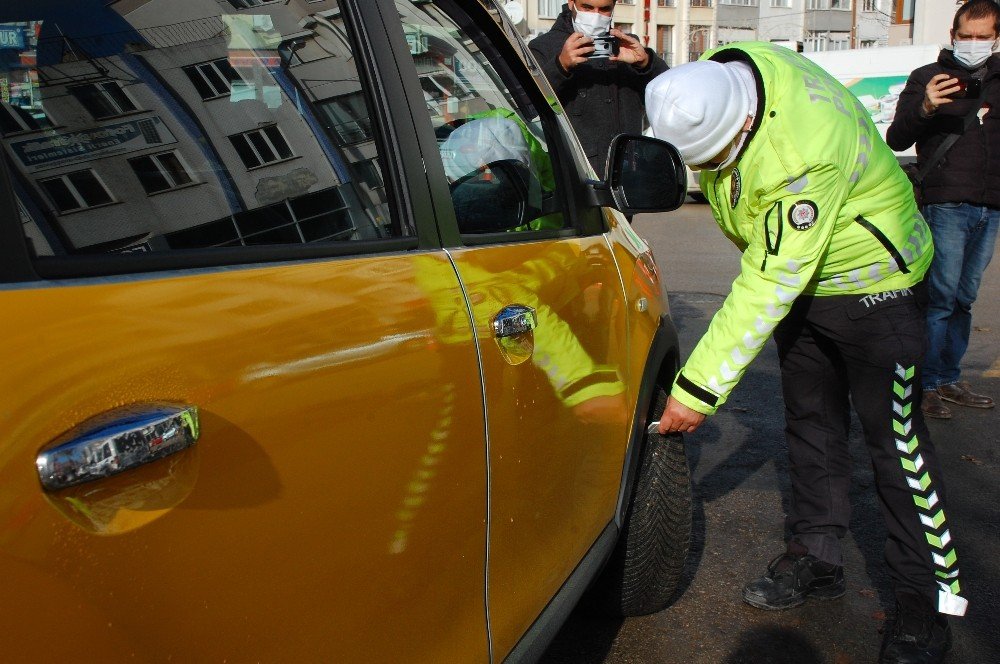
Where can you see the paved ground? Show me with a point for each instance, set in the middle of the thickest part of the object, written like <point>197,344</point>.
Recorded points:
<point>739,468</point>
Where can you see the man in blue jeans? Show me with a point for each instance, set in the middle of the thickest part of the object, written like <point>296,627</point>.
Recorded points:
<point>961,192</point>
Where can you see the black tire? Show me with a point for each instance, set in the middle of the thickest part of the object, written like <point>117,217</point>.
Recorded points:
<point>646,567</point>
<point>697,197</point>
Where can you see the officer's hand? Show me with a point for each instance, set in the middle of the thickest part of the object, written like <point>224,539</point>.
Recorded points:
<point>937,91</point>
<point>575,50</point>
<point>629,50</point>
<point>678,418</point>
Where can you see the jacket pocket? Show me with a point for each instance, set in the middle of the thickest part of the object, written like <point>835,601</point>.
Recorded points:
<point>884,241</point>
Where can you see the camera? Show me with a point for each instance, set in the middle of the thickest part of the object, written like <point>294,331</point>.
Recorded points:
<point>968,88</point>
<point>604,47</point>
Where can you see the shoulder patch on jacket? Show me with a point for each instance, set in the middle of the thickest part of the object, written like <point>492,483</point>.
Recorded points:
<point>802,216</point>
<point>735,187</point>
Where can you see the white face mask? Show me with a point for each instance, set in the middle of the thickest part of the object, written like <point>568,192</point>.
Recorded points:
<point>972,52</point>
<point>734,149</point>
<point>591,24</point>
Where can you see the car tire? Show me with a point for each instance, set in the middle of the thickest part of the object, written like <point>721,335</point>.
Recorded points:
<point>645,569</point>
<point>697,197</point>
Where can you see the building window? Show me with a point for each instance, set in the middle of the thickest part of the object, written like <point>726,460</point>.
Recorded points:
<point>213,79</point>
<point>781,3</point>
<point>346,119</point>
<point>14,119</point>
<point>627,28</point>
<point>370,173</point>
<point>743,3</point>
<point>549,8</point>
<point>903,11</point>
<point>262,146</point>
<point>76,191</point>
<point>322,216</point>
<point>701,3</point>
<point>698,41</point>
<point>828,4</point>
<point>103,100</point>
<point>246,4</point>
<point>666,3</point>
<point>870,6</point>
<point>664,42</point>
<point>161,172</point>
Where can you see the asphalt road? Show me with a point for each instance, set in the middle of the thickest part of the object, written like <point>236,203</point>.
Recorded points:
<point>739,473</point>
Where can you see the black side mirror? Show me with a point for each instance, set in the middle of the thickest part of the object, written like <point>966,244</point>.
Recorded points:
<point>645,175</point>
<point>495,204</point>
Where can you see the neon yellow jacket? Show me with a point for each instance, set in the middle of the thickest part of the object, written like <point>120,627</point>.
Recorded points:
<point>818,205</point>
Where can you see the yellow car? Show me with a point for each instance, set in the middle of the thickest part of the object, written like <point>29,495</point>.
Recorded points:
<point>320,341</point>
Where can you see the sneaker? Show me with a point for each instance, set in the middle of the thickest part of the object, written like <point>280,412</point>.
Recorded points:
<point>790,578</point>
<point>961,394</point>
<point>932,406</point>
<point>920,634</point>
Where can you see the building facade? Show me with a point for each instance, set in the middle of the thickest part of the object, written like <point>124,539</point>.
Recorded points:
<point>681,30</point>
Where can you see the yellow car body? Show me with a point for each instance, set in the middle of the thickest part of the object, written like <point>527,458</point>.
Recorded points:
<point>377,476</point>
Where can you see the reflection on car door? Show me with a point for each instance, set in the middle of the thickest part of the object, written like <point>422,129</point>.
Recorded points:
<point>555,389</point>
<point>223,205</point>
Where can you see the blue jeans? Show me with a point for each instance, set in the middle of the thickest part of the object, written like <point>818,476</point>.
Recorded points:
<point>964,236</point>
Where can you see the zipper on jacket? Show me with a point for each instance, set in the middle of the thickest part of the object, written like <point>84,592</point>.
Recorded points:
<point>884,241</point>
<point>770,250</point>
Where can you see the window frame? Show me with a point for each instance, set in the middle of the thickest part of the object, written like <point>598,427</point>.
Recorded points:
<point>75,192</point>
<point>263,133</point>
<point>99,86</point>
<point>165,172</point>
<point>569,182</point>
<point>11,111</point>
<point>409,199</point>
<point>197,67</point>
<point>549,3</point>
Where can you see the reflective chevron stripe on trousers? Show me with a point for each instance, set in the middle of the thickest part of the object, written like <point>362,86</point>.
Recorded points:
<point>866,351</point>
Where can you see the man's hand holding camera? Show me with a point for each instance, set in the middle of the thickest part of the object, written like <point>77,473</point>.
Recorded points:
<point>575,51</point>
<point>630,50</point>
<point>579,48</point>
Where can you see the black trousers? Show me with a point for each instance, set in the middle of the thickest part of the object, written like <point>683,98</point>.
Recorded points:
<point>865,350</point>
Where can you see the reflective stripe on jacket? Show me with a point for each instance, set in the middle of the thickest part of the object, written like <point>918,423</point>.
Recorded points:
<point>817,203</point>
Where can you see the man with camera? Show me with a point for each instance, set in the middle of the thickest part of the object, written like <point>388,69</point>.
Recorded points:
<point>599,73</point>
<point>949,109</point>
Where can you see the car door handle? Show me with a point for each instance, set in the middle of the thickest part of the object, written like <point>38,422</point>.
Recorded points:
<point>514,319</point>
<point>116,441</point>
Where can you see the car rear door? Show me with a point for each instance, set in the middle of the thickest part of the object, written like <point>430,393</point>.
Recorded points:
<point>546,297</point>
<point>209,206</point>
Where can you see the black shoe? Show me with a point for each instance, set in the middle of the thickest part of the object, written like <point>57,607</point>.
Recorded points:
<point>920,634</point>
<point>790,578</point>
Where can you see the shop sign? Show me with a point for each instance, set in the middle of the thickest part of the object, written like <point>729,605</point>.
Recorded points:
<point>58,149</point>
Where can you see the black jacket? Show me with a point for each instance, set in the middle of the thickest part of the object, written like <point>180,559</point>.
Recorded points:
<point>970,171</point>
<point>601,98</point>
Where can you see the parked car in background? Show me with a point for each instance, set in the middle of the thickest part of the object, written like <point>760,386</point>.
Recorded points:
<point>320,343</point>
<point>694,187</point>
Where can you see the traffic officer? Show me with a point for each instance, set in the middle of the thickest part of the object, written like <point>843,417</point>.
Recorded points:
<point>834,254</point>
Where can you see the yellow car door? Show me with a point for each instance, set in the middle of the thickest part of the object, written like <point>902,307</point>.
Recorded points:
<point>242,411</point>
<point>548,305</point>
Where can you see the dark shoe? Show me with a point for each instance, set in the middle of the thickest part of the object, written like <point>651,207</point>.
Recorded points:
<point>790,578</point>
<point>920,634</point>
<point>961,394</point>
<point>932,406</point>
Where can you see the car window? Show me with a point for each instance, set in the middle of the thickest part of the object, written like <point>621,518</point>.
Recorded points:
<point>491,140</point>
<point>161,125</point>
